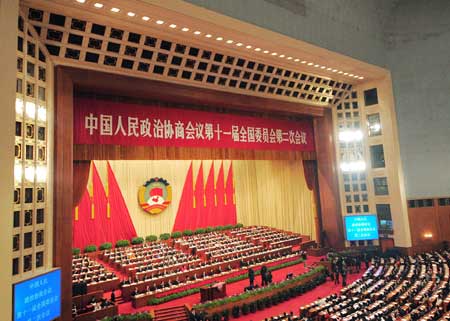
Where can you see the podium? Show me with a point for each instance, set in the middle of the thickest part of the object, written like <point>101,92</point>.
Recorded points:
<point>213,292</point>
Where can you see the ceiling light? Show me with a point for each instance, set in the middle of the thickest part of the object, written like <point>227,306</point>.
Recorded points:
<point>340,72</point>
<point>322,67</point>
<point>296,60</point>
<point>98,5</point>
<point>345,73</point>
<point>30,109</point>
<point>289,58</point>
<point>159,22</point>
<point>274,54</point>
<point>29,173</point>
<point>316,65</point>
<point>282,56</point>
<point>355,166</point>
<point>18,172</point>
<point>173,26</point>
<point>131,14</point>
<point>41,174</point>
<point>19,106</point>
<point>239,44</point>
<point>248,46</point>
<point>219,38</point>
<point>257,49</point>
<point>334,70</point>
<point>310,63</point>
<point>361,77</point>
<point>184,29</point>
<point>197,32</point>
<point>42,113</point>
<point>230,41</point>
<point>208,36</point>
<point>115,10</point>
<point>266,51</point>
<point>81,1</point>
<point>350,75</point>
<point>328,68</point>
<point>303,62</point>
<point>350,136</point>
<point>145,18</point>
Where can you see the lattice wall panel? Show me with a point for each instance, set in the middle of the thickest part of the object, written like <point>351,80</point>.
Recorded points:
<point>108,47</point>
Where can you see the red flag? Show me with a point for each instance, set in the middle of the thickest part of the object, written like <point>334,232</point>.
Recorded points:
<point>230,208</point>
<point>121,225</point>
<point>83,232</point>
<point>186,206</point>
<point>220,196</point>
<point>102,224</point>
<point>210,204</point>
<point>198,219</point>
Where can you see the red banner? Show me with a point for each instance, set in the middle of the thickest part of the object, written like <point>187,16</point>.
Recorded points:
<point>113,123</point>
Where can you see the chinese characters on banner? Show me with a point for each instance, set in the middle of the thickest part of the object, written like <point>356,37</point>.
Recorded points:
<point>105,122</point>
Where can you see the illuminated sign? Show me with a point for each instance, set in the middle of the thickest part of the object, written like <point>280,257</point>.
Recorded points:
<point>361,227</point>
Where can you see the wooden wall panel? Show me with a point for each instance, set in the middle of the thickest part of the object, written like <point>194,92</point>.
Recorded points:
<point>112,152</point>
<point>331,219</point>
<point>63,187</point>
<point>434,220</point>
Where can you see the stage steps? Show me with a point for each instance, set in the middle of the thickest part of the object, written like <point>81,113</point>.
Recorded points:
<point>178,313</point>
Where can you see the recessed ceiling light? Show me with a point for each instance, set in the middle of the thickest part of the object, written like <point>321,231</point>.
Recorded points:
<point>310,63</point>
<point>351,75</point>
<point>197,32</point>
<point>81,1</point>
<point>361,77</point>
<point>282,56</point>
<point>229,41</point>
<point>219,38</point>
<point>257,49</point>
<point>274,54</point>
<point>289,58</point>
<point>316,65</point>
<point>248,47</point>
<point>208,36</point>
<point>334,70</point>
<point>328,68</point>
<point>184,29</point>
<point>159,22</point>
<point>322,67</point>
<point>131,14</point>
<point>340,72</point>
<point>98,5</point>
<point>239,44</point>
<point>296,60</point>
<point>266,51</point>
<point>345,73</point>
<point>145,18</point>
<point>115,9</point>
<point>303,62</point>
<point>173,26</point>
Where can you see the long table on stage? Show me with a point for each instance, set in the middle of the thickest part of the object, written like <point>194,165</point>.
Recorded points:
<point>213,292</point>
<point>98,315</point>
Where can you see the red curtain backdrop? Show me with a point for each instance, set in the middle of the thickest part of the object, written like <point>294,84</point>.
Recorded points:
<point>210,204</point>
<point>102,217</point>
<point>312,180</point>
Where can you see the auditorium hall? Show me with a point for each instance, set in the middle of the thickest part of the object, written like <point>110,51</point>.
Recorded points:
<point>212,160</point>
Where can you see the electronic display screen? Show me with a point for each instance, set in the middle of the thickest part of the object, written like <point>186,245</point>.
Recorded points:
<point>38,299</point>
<point>361,227</point>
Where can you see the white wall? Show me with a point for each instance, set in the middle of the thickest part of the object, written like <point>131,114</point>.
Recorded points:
<point>418,42</point>
<point>409,37</point>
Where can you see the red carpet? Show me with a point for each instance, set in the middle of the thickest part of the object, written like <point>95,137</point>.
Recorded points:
<point>238,287</point>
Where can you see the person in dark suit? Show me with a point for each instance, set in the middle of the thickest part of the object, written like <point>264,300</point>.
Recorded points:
<point>113,296</point>
<point>264,275</point>
<point>251,276</point>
